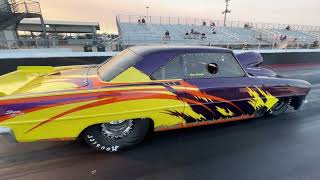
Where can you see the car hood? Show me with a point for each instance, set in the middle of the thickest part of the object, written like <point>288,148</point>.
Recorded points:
<point>44,79</point>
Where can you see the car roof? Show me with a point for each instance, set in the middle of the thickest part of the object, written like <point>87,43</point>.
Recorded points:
<point>155,56</point>
<point>146,50</point>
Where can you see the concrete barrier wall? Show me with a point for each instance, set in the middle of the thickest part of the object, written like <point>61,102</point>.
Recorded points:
<point>291,58</point>
<point>10,61</point>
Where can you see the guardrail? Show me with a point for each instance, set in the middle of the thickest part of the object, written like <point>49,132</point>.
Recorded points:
<point>199,22</point>
<point>118,43</point>
<point>265,42</point>
<point>56,43</point>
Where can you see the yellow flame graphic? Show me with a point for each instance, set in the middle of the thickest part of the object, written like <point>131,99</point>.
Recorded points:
<point>225,112</point>
<point>258,102</point>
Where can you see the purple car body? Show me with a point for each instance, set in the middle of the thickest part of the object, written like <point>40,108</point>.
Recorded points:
<point>153,57</point>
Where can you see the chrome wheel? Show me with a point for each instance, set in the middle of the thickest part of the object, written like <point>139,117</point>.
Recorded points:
<point>117,129</point>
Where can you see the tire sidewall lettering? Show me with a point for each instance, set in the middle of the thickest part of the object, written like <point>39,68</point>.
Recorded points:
<point>93,142</point>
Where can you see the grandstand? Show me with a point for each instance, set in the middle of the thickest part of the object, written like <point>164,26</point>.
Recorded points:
<point>235,33</point>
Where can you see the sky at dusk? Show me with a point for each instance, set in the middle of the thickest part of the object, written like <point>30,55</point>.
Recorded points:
<point>304,12</point>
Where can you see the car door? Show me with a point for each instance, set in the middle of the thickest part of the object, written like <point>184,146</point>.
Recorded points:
<point>218,87</point>
<point>171,76</point>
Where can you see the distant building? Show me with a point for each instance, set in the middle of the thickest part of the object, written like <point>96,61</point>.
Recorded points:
<point>60,27</point>
<point>6,33</point>
<point>11,13</point>
<point>13,21</point>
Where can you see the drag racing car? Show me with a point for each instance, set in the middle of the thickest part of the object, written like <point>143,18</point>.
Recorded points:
<point>114,105</point>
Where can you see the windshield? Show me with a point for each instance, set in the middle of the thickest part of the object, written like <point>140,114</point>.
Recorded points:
<point>117,65</point>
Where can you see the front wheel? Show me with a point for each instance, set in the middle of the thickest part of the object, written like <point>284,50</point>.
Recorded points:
<point>280,108</point>
<point>116,135</point>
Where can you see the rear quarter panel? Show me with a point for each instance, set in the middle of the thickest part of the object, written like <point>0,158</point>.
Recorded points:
<point>65,115</point>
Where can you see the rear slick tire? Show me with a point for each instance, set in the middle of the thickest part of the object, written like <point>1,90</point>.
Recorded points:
<point>116,135</point>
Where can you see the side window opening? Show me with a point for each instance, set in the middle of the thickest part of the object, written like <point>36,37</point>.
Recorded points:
<point>200,65</point>
<point>211,65</point>
<point>171,70</point>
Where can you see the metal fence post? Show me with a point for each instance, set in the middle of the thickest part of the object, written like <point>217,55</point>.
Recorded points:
<point>25,5</point>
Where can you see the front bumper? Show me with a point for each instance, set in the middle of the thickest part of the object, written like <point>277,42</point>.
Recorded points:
<point>8,134</point>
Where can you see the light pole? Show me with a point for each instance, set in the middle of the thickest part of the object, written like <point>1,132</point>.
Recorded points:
<point>225,12</point>
<point>147,7</point>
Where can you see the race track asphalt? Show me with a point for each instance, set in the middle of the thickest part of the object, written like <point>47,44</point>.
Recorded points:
<point>285,148</point>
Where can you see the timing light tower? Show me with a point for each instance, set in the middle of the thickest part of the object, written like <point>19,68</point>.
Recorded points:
<point>147,8</point>
<point>225,12</point>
